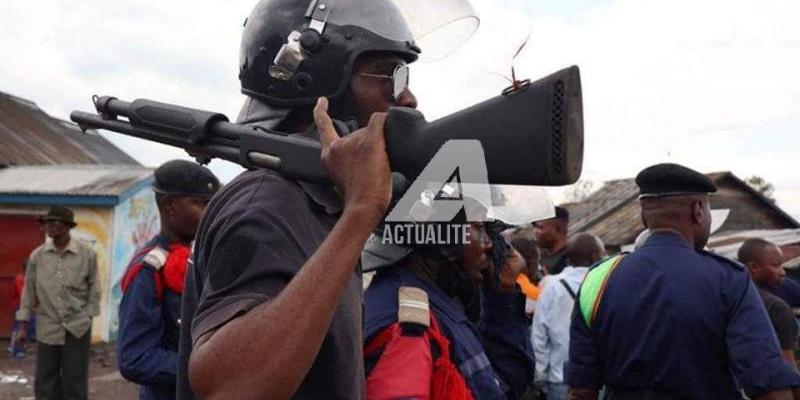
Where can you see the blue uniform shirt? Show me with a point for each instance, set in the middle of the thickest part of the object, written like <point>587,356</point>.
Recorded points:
<point>679,321</point>
<point>148,331</point>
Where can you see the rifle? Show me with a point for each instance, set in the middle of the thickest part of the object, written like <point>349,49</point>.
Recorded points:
<point>532,134</point>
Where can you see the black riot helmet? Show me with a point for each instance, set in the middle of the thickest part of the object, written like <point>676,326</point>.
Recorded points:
<point>294,51</point>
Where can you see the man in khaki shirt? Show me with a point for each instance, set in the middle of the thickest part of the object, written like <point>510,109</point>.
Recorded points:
<point>61,288</point>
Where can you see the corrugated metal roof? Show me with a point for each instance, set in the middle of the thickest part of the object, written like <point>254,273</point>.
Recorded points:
<point>728,244</point>
<point>31,137</point>
<point>72,180</point>
<point>613,214</point>
<point>610,197</point>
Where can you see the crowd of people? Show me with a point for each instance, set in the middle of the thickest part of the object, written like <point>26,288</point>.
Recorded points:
<point>253,290</point>
<point>558,319</point>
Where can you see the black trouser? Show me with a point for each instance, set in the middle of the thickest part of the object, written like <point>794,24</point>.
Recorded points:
<point>62,372</point>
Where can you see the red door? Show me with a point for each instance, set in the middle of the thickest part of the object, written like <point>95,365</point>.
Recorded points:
<point>19,235</point>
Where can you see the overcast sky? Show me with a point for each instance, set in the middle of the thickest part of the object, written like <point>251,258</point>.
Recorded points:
<point>710,84</point>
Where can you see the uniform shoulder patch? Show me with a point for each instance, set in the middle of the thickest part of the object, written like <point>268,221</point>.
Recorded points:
<point>594,285</point>
<point>725,260</point>
<point>413,306</point>
<point>156,258</point>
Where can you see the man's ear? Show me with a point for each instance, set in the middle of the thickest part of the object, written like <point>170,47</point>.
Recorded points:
<point>751,266</point>
<point>698,212</point>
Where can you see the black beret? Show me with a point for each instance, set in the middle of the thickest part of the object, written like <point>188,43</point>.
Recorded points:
<point>185,178</point>
<point>668,179</point>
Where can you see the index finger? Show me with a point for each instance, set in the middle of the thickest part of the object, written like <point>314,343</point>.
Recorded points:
<point>327,133</point>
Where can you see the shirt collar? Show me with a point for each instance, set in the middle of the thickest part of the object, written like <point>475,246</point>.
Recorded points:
<point>573,269</point>
<point>163,241</point>
<point>72,246</point>
<point>665,237</point>
<point>323,196</point>
<point>257,113</point>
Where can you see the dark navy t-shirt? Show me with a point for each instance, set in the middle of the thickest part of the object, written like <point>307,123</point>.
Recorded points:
<point>255,235</point>
<point>782,318</point>
<point>788,290</point>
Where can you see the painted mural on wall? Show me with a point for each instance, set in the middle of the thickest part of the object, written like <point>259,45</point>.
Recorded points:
<point>135,222</point>
<point>95,227</point>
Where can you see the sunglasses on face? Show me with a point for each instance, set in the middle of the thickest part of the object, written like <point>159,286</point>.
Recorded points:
<point>399,78</point>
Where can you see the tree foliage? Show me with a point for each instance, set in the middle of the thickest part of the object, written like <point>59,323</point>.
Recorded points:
<point>579,191</point>
<point>761,185</point>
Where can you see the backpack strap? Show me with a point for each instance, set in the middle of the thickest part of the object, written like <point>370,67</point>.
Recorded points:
<point>569,289</point>
<point>593,286</point>
<point>154,258</point>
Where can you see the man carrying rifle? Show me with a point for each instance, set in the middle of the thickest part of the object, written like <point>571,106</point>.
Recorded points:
<point>272,304</point>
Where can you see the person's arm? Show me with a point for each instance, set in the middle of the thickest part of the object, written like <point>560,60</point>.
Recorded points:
<point>753,346</point>
<point>583,370</point>
<point>141,355</point>
<point>504,327</point>
<point>786,329</point>
<point>277,341</point>
<point>540,337</point>
<point>582,394</point>
<point>788,355</point>
<point>93,308</point>
<point>776,395</point>
<point>28,299</point>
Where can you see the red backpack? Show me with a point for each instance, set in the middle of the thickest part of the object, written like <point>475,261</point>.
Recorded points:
<point>446,382</point>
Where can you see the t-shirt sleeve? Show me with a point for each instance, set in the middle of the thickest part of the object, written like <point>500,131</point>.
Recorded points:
<point>785,325</point>
<point>254,246</point>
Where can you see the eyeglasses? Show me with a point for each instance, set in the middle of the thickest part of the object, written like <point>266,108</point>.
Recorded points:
<point>399,78</point>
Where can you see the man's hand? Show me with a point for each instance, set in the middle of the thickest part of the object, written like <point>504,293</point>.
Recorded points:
<point>576,393</point>
<point>357,163</point>
<point>22,335</point>
<point>512,267</point>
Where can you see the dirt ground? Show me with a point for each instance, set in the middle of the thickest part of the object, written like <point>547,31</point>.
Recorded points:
<point>105,382</point>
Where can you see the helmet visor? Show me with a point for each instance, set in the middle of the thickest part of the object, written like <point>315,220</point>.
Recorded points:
<point>512,204</point>
<point>520,205</point>
<point>437,27</point>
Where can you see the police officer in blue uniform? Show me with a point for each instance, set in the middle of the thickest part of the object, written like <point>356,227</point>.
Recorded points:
<point>670,320</point>
<point>475,302</point>
<point>149,315</point>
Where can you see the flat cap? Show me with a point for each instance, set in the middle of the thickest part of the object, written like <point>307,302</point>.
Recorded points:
<point>662,180</point>
<point>185,178</point>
